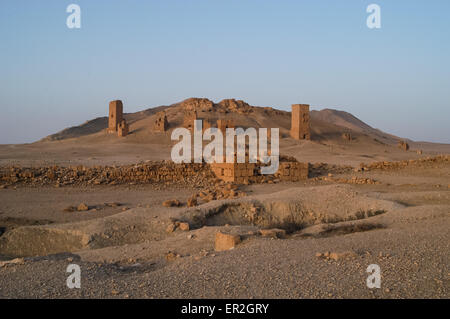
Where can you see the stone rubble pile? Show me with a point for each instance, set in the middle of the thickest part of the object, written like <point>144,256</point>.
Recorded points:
<point>422,162</point>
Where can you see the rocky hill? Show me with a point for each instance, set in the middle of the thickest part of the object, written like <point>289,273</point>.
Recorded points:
<point>326,125</point>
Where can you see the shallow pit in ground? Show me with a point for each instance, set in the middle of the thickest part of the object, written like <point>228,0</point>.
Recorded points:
<point>345,228</point>
<point>287,216</point>
<point>8,223</point>
<point>292,210</point>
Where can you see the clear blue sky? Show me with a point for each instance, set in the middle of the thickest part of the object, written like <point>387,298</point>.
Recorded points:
<point>268,53</point>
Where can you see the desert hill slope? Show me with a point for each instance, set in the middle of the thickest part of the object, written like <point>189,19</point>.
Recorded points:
<point>90,144</point>
<point>326,124</point>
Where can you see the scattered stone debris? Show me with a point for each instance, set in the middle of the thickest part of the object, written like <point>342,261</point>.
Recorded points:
<point>172,203</point>
<point>16,261</point>
<point>353,180</point>
<point>174,225</point>
<point>422,162</point>
<point>217,192</point>
<point>114,204</point>
<point>171,228</point>
<point>70,209</point>
<point>82,207</point>
<point>321,169</point>
<point>343,255</point>
<point>183,226</point>
<point>115,292</point>
<point>273,233</point>
<point>192,202</point>
<point>171,256</point>
<point>226,241</point>
<point>336,256</point>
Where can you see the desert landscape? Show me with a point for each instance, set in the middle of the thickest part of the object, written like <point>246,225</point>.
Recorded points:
<point>105,195</point>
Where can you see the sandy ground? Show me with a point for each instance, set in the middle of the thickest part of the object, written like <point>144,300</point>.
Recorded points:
<point>409,240</point>
<point>76,152</point>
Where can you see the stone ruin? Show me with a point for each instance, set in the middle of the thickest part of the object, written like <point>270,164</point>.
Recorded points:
<point>183,174</point>
<point>123,128</point>
<point>191,115</point>
<point>289,170</point>
<point>161,123</point>
<point>234,172</point>
<point>300,122</point>
<point>243,173</point>
<point>189,118</point>
<point>224,106</point>
<point>347,136</point>
<point>403,145</point>
<point>222,125</point>
<point>198,105</point>
<point>293,171</point>
<point>116,122</point>
<point>234,106</point>
<point>115,115</point>
<point>196,174</point>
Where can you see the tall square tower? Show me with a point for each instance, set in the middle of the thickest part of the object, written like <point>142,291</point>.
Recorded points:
<point>300,126</point>
<point>115,115</point>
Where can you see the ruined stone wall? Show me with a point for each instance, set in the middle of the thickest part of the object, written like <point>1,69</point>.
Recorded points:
<point>234,172</point>
<point>423,162</point>
<point>293,171</point>
<point>300,122</point>
<point>155,172</point>
<point>250,172</point>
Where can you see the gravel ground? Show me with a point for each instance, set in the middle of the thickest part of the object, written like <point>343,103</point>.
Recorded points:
<point>414,261</point>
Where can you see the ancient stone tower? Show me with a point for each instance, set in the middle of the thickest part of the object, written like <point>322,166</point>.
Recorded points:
<point>189,119</point>
<point>300,127</point>
<point>115,115</point>
<point>403,145</point>
<point>122,129</point>
<point>161,123</point>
